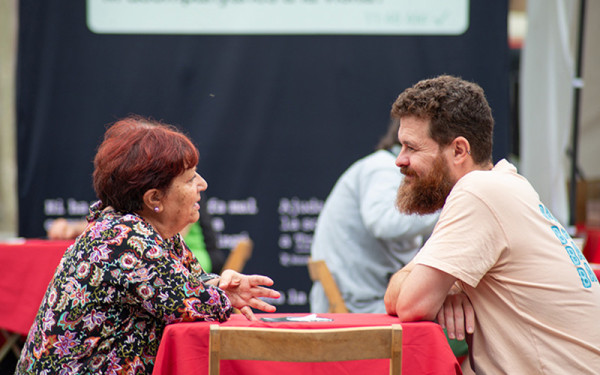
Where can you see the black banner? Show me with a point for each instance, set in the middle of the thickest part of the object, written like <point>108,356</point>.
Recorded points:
<point>277,118</point>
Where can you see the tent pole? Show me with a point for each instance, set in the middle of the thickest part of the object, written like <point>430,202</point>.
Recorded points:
<point>577,85</point>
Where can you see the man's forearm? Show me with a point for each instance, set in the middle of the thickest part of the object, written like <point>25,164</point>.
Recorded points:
<point>419,293</point>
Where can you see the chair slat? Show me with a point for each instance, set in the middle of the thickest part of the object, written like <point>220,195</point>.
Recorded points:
<point>307,345</point>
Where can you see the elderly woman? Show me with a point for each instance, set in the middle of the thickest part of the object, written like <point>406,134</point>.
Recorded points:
<point>129,273</point>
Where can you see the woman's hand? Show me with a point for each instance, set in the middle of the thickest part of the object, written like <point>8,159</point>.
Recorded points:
<point>244,292</point>
<point>457,316</point>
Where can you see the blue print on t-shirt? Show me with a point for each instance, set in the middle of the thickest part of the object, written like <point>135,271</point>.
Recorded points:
<point>586,274</point>
<point>573,255</point>
<point>590,273</point>
<point>565,234</point>
<point>546,213</point>
<point>584,277</point>
<point>579,253</point>
<point>562,235</point>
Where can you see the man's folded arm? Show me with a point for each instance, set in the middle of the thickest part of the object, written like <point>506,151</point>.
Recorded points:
<point>417,292</point>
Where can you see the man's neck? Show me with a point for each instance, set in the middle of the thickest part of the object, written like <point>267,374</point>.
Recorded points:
<point>470,167</point>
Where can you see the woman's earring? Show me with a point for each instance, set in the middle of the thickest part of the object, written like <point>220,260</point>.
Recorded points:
<point>155,209</point>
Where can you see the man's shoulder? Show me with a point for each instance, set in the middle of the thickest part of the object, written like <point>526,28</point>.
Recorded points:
<point>502,175</point>
<point>501,185</point>
<point>477,182</point>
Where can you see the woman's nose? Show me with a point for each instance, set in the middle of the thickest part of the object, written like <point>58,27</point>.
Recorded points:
<point>202,184</point>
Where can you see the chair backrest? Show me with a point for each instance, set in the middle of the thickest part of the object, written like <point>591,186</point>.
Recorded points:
<point>305,345</point>
<point>318,271</point>
<point>239,255</point>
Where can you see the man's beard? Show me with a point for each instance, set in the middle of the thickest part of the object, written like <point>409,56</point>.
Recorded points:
<point>426,194</point>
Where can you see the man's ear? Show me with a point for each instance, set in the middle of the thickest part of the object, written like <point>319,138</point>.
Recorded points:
<point>153,199</point>
<point>461,149</point>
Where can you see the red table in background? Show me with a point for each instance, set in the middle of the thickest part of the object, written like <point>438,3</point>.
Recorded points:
<point>26,268</point>
<point>596,269</point>
<point>591,249</point>
<point>425,350</point>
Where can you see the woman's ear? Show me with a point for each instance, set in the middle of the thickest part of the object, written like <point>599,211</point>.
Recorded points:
<point>153,199</point>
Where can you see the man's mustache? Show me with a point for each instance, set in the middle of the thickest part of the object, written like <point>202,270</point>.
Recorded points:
<point>407,171</point>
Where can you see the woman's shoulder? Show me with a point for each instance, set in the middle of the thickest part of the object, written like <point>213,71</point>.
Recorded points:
<point>113,229</point>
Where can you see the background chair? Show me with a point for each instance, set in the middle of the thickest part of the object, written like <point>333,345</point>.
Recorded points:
<point>239,255</point>
<point>9,341</point>
<point>319,271</point>
<point>305,345</point>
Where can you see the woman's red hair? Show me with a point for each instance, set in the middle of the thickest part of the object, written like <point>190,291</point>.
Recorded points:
<point>139,154</point>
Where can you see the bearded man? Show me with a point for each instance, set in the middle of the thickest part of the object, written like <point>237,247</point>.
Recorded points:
<point>498,265</point>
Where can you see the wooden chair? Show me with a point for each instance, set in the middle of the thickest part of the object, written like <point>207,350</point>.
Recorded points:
<point>11,341</point>
<point>305,345</point>
<point>239,255</point>
<point>319,271</point>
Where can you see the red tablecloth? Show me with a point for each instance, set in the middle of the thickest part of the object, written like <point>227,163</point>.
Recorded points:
<point>25,270</point>
<point>425,350</point>
<point>596,269</point>
<point>591,249</point>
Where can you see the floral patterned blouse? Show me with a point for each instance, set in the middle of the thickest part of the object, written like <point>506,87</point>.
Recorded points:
<point>113,293</point>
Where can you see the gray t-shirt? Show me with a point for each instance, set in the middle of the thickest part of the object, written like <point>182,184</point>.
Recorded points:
<point>361,235</point>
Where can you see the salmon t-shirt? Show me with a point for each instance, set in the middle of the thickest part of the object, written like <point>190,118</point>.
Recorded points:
<point>536,300</point>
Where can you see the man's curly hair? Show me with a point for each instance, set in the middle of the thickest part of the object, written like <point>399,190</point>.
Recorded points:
<point>455,107</point>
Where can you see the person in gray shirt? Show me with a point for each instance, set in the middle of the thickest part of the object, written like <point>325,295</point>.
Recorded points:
<point>361,235</point>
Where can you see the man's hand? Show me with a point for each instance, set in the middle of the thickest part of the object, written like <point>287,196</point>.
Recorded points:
<point>393,290</point>
<point>457,315</point>
<point>394,287</point>
<point>244,292</point>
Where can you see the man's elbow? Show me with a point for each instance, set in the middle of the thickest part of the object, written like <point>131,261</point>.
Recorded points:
<point>406,312</point>
<point>413,312</point>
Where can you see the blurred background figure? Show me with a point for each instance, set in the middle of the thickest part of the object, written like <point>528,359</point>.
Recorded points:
<point>201,239</point>
<point>65,229</point>
<point>361,235</point>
